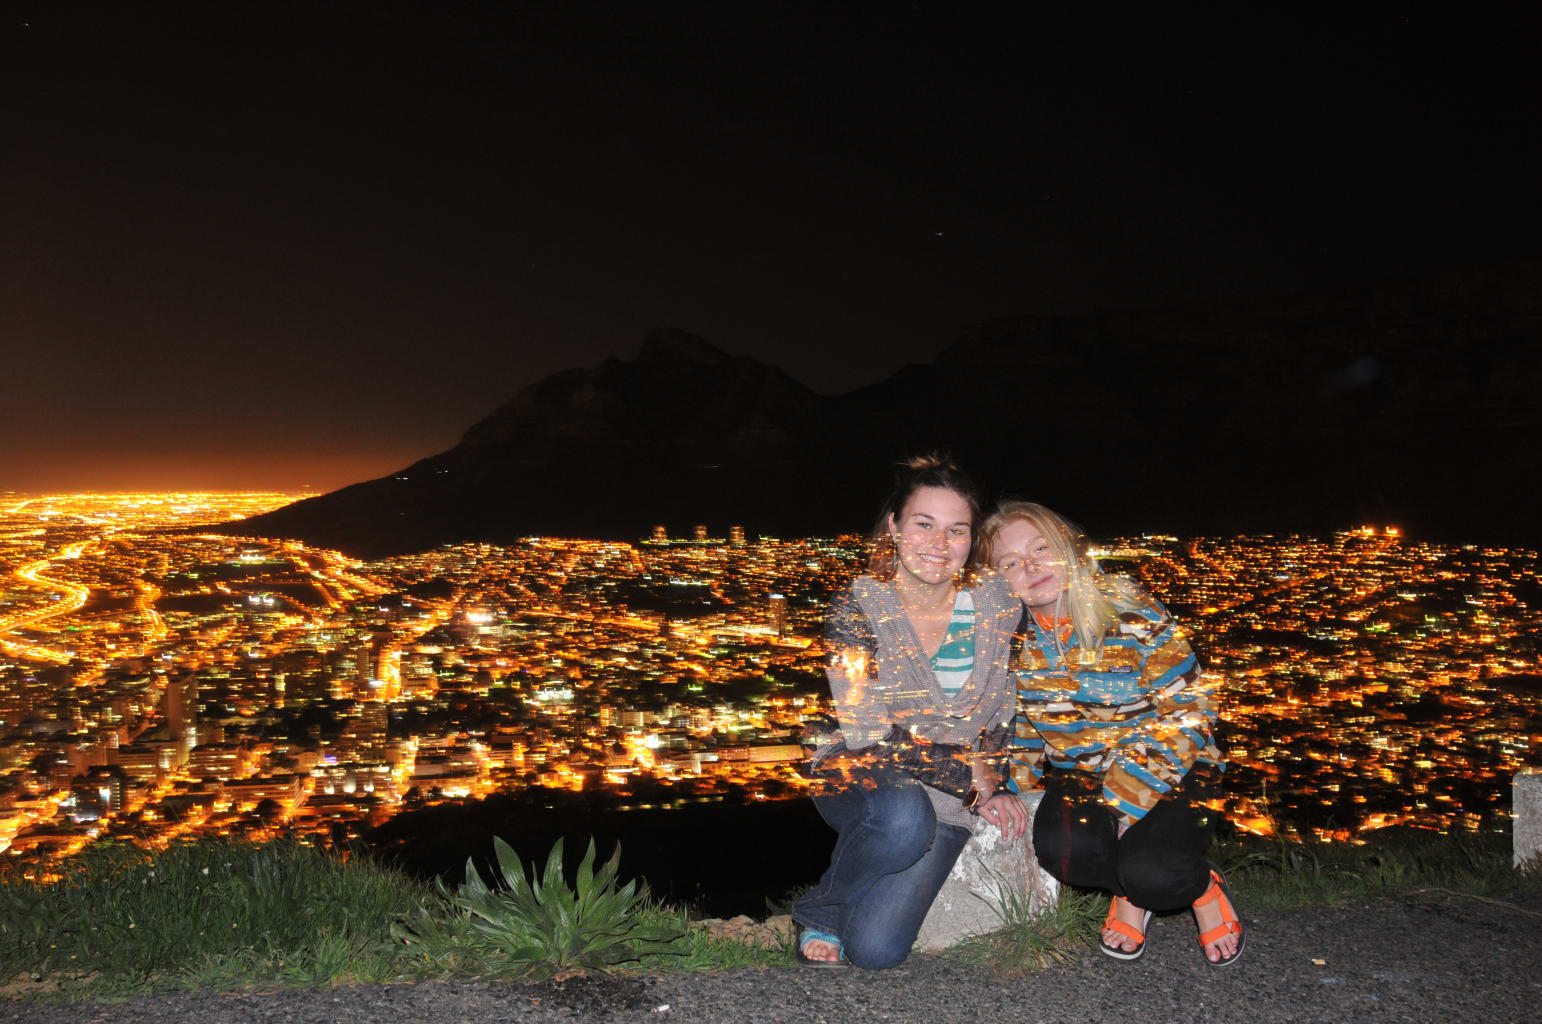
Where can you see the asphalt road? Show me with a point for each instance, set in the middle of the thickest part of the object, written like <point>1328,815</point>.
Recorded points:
<point>1457,960</point>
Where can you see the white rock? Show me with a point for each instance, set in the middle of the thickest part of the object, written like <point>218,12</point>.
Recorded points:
<point>989,874</point>
<point>1526,806</point>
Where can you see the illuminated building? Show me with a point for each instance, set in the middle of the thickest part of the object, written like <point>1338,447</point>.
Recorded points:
<point>776,605</point>
<point>180,707</point>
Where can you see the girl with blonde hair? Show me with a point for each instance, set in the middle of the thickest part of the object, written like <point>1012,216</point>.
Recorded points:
<point>1115,720</point>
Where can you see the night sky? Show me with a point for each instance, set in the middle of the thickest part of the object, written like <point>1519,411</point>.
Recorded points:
<point>271,247</point>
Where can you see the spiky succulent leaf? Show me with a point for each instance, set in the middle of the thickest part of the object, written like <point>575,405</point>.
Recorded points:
<point>537,925</point>
<point>585,882</point>
<point>552,878</point>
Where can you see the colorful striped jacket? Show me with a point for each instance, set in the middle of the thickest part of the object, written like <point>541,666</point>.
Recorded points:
<point>1140,715</point>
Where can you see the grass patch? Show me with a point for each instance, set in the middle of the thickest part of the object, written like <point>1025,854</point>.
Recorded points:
<point>1030,943</point>
<point>211,914</point>
<point>699,950</point>
<point>1398,865</point>
<point>221,915</point>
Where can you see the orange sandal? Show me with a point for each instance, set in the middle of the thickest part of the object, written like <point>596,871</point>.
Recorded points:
<point>1229,925</point>
<point>1129,931</point>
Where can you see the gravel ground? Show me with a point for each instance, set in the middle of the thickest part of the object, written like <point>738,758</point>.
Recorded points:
<point>1454,961</point>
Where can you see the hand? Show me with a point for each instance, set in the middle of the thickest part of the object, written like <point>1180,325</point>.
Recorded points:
<point>1006,811</point>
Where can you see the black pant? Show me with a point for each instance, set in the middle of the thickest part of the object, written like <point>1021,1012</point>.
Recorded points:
<point>1158,864</point>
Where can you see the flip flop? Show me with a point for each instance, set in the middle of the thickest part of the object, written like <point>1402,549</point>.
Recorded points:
<point>1230,925</point>
<point>1129,931</point>
<point>808,935</point>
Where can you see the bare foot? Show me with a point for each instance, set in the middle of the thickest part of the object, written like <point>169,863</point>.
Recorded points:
<point>1131,915</point>
<point>1209,916</point>
<point>819,949</point>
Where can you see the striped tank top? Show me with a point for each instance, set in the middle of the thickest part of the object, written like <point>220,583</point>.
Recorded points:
<point>954,661</point>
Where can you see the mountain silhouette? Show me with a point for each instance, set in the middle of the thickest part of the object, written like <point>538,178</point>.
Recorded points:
<point>1417,403</point>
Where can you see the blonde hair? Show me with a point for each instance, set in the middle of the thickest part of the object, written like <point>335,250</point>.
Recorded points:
<point>1093,599</point>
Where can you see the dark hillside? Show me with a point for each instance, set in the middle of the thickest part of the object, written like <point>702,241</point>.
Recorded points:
<point>1417,403</point>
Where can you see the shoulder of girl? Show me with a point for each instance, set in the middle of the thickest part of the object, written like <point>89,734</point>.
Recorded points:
<point>1143,623</point>
<point>863,587</point>
<point>1148,609</point>
<point>993,586</point>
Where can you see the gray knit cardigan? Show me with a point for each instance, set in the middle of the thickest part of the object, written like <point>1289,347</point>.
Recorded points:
<point>880,676</point>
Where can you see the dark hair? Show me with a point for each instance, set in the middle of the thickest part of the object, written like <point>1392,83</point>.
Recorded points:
<point>932,470</point>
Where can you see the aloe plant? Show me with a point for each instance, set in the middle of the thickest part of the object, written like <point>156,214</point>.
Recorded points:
<point>541,926</point>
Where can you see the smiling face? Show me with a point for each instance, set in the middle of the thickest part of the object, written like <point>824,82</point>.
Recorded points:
<point>934,532</point>
<point>1028,561</point>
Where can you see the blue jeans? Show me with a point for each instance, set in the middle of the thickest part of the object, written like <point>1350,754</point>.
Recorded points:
<point>891,857</point>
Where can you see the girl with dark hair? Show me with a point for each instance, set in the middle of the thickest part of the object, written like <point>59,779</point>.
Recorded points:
<point>917,662</point>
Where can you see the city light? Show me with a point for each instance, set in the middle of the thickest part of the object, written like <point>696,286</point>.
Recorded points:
<point>159,682</point>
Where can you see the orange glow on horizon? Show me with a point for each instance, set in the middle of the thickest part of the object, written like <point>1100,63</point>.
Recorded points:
<point>137,472</point>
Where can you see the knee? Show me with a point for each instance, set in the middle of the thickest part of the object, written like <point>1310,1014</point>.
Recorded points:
<point>1055,847</point>
<point>1054,859</point>
<point>877,951</point>
<point>906,820</point>
<point>1144,883</point>
<point>1156,883</point>
<point>1075,844</point>
<point>1162,863</point>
